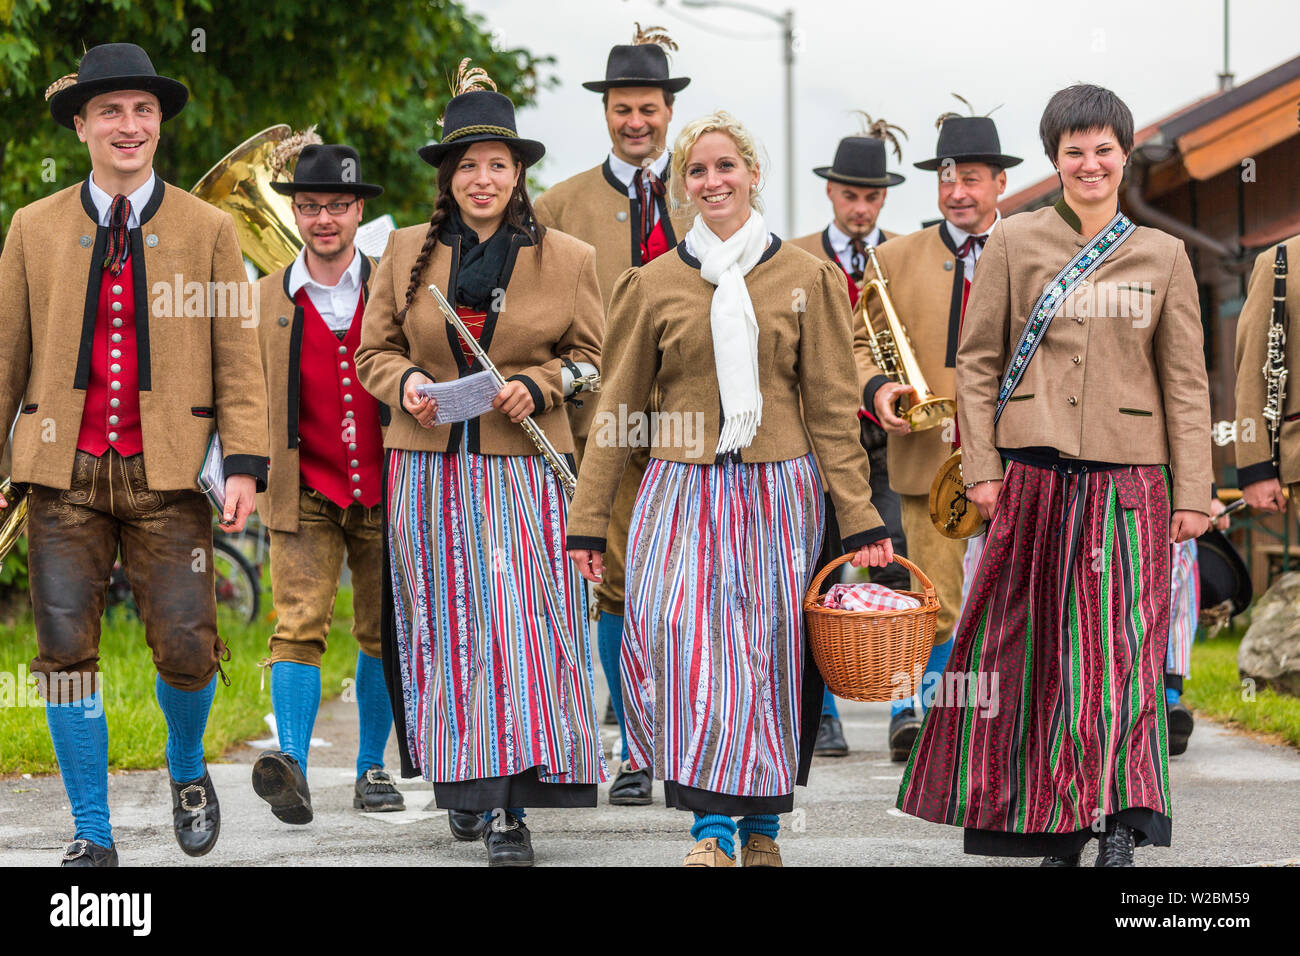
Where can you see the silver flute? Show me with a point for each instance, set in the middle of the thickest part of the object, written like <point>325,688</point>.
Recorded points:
<point>553,457</point>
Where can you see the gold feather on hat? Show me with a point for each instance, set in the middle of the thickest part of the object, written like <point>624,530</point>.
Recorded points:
<point>62,83</point>
<point>470,79</point>
<point>289,149</point>
<point>882,130</point>
<point>950,115</point>
<point>653,35</point>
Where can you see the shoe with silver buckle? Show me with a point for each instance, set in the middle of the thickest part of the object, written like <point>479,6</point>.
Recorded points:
<point>196,815</point>
<point>86,853</point>
<point>466,825</point>
<point>508,841</point>
<point>375,792</point>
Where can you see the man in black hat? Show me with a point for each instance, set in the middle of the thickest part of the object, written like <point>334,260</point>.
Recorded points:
<point>929,274</point>
<point>325,497</point>
<point>856,185</point>
<point>118,412</point>
<point>621,207</point>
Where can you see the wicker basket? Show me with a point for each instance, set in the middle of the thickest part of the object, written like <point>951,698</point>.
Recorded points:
<point>871,655</point>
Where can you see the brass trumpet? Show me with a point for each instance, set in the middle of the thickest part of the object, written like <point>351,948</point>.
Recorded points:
<point>892,350</point>
<point>13,517</point>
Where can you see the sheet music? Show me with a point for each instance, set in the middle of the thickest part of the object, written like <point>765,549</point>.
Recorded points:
<point>212,476</point>
<point>463,398</point>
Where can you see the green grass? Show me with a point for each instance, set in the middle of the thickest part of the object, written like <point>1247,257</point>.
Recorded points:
<point>1215,690</point>
<point>137,732</point>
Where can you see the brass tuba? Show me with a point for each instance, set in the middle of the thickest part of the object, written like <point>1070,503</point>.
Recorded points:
<point>240,184</point>
<point>892,350</point>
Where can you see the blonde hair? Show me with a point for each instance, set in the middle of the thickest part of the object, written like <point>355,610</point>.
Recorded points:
<point>719,121</point>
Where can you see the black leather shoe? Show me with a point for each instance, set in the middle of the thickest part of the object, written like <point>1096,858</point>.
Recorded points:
<point>1181,723</point>
<point>1071,860</point>
<point>279,781</point>
<point>196,815</point>
<point>466,825</point>
<point>631,788</point>
<point>375,792</point>
<point>610,719</point>
<point>1116,847</point>
<point>903,728</point>
<point>508,841</point>
<point>85,853</point>
<point>830,738</point>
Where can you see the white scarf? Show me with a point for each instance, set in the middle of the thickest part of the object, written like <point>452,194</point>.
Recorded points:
<point>734,326</point>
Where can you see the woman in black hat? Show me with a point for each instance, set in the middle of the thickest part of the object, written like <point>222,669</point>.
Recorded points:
<point>488,649</point>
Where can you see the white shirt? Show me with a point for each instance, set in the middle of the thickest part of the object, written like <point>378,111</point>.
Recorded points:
<point>337,304</point>
<point>842,244</point>
<point>626,174</point>
<point>959,236</point>
<point>104,202</point>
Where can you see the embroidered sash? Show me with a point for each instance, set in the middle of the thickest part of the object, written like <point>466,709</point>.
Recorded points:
<point>1049,303</point>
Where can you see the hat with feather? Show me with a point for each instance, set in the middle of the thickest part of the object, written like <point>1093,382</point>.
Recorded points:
<point>109,67</point>
<point>968,139</point>
<point>477,113</point>
<point>643,62</point>
<point>860,160</point>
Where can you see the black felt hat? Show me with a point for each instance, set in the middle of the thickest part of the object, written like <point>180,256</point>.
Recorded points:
<point>1223,573</point>
<point>969,139</point>
<point>328,169</point>
<point>859,161</point>
<point>638,64</point>
<point>479,116</point>
<point>109,67</point>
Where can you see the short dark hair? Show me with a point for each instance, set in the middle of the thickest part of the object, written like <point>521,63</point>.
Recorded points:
<point>668,97</point>
<point>1083,108</point>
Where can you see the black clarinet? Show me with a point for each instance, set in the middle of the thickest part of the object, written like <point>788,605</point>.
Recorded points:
<point>1275,370</point>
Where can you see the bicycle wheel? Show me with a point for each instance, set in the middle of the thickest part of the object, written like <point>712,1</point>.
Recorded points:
<point>236,581</point>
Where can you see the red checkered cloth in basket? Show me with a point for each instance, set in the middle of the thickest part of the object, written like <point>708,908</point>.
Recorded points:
<point>867,597</point>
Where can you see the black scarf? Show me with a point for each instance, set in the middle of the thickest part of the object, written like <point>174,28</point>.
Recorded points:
<point>481,263</point>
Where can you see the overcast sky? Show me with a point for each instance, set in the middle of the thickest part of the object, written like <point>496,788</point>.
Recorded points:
<point>898,60</point>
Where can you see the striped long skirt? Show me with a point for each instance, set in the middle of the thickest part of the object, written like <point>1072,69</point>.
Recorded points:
<point>1049,724</point>
<point>490,621</point>
<point>719,557</point>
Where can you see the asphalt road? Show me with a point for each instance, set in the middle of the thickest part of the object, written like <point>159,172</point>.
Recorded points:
<point>1236,802</point>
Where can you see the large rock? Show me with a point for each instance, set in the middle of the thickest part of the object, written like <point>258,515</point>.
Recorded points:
<point>1270,651</point>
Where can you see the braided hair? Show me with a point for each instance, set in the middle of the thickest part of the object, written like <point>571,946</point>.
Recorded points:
<point>519,214</point>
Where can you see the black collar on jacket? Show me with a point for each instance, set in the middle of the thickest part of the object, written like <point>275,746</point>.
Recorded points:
<point>694,263</point>
<point>634,210</point>
<point>139,288</point>
<point>954,303</point>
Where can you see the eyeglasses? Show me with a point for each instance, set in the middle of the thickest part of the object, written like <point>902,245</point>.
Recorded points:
<point>312,209</point>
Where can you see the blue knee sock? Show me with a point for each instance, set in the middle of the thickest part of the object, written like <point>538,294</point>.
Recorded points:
<point>186,712</point>
<point>79,732</point>
<point>374,712</point>
<point>828,705</point>
<point>609,642</point>
<point>934,666</point>
<point>1172,696</point>
<point>716,825</point>
<point>295,697</point>
<point>767,824</point>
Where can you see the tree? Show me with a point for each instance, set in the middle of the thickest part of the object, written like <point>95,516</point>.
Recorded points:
<point>370,74</point>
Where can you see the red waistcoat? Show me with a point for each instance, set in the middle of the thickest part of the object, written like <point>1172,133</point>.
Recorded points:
<point>111,416</point>
<point>656,245</point>
<point>340,447</point>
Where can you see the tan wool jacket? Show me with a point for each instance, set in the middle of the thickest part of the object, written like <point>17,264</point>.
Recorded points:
<point>550,310</point>
<point>197,348</point>
<point>1254,446</point>
<point>1120,375</point>
<point>279,333</point>
<point>594,206</point>
<point>925,285</point>
<point>659,344</point>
